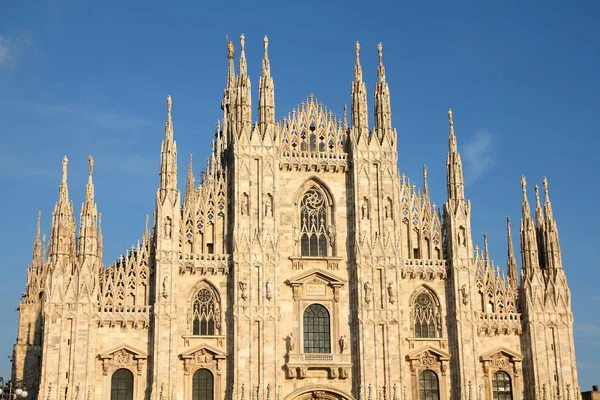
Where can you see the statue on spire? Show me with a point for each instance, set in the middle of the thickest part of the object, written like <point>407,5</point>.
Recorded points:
<point>65,160</point>
<point>524,186</point>
<point>450,120</point>
<point>169,104</point>
<point>91,162</point>
<point>230,48</point>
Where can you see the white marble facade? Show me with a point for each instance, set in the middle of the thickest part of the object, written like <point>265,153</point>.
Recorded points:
<point>302,266</point>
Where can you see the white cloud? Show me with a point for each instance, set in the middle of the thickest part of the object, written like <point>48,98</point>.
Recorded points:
<point>477,154</point>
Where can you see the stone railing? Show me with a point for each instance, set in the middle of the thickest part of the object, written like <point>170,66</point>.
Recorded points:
<point>495,324</point>
<point>298,365</point>
<point>426,269</point>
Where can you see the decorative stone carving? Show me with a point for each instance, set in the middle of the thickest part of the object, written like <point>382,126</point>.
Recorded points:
<point>168,227</point>
<point>368,290</point>
<point>269,289</point>
<point>343,343</point>
<point>243,285</point>
<point>391,293</point>
<point>291,342</point>
<point>465,295</point>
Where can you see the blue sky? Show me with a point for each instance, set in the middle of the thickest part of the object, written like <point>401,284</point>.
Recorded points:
<point>91,77</point>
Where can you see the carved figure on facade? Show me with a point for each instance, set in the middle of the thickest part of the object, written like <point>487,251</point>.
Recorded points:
<point>168,227</point>
<point>368,290</point>
<point>291,342</point>
<point>243,285</point>
<point>343,343</point>
<point>269,289</point>
<point>391,293</point>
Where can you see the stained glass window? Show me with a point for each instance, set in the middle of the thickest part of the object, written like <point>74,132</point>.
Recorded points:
<point>317,337</point>
<point>206,314</point>
<point>121,385</point>
<point>501,386</point>
<point>313,224</point>
<point>425,315</point>
<point>429,386</point>
<point>202,385</point>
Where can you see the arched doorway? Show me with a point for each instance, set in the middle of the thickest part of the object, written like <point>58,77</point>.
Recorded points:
<point>317,392</point>
<point>203,385</point>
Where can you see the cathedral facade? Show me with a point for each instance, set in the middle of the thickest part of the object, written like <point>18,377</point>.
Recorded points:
<point>303,265</point>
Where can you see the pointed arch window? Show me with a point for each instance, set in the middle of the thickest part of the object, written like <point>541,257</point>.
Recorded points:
<point>121,385</point>
<point>206,312</point>
<point>314,240</point>
<point>203,385</point>
<point>429,388</point>
<point>501,386</point>
<point>427,318</point>
<point>316,323</point>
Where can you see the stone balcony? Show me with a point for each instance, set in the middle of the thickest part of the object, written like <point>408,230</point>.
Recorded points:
<point>299,365</point>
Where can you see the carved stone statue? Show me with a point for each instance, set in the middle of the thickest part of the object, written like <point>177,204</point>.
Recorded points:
<point>391,293</point>
<point>244,204</point>
<point>465,296</point>
<point>331,235</point>
<point>165,286</point>
<point>268,209</point>
<point>291,342</point>
<point>243,285</point>
<point>343,343</point>
<point>365,209</point>
<point>269,289</point>
<point>368,290</point>
<point>168,227</point>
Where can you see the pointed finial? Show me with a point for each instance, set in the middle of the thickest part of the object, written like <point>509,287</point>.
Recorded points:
<point>450,120</point>
<point>357,48</point>
<point>425,185</point>
<point>380,52</point>
<point>524,186</point>
<point>65,160</point>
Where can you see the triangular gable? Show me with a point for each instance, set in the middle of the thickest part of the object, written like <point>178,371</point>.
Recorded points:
<point>217,353</point>
<point>489,355</point>
<point>326,276</point>
<point>441,354</point>
<point>137,354</point>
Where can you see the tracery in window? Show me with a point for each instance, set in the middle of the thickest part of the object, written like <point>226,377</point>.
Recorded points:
<point>429,388</point>
<point>206,312</point>
<point>427,318</point>
<point>316,324</point>
<point>501,386</point>
<point>313,224</point>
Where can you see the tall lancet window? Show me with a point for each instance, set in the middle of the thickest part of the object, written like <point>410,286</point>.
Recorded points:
<point>426,316</point>
<point>313,224</point>
<point>206,312</point>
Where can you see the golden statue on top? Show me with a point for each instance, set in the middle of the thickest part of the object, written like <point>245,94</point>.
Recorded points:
<point>230,49</point>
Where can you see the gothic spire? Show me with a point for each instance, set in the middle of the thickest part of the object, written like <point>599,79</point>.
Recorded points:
<point>455,182</point>
<point>88,239</point>
<point>551,246</point>
<point>539,214</point>
<point>243,102</point>
<point>547,204</point>
<point>243,62</point>
<point>230,65</point>
<point>383,112</point>
<point>529,245</point>
<point>486,251</point>
<point>425,185</point>
<point>37,244</point>
<point>266,101</point>
<point>511,263</point>
<point>168,155</point>
<point>189,186</point>
<point>62,239</point>
<point>359,96</point>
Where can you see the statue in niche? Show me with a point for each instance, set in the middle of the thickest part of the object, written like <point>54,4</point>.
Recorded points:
<point>343,343</point>
<point>269,289</point>
<point>244,204</point>
<point>368,290</point>
<point>461,236</point>
<point>331,235</point>
<point>291,342</point>
<point>168,227</point>
<point>165,286</point>
<point>268,206</point>
<point>465,296</point>
<point>365,209</point>
<point>391,293</point>
<point>243,285</point>
<point>387,212</point>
